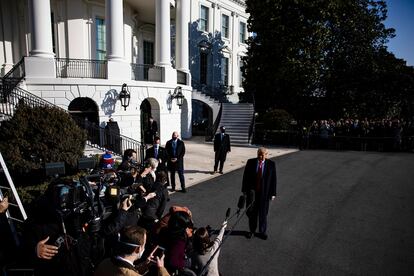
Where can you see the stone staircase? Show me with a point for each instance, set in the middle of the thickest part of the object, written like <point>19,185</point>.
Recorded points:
<point>202,97</point>
<point>237,119</point>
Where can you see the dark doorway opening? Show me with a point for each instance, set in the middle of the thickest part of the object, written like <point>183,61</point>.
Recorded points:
<point>202,118</point>
<point>85,113</point>
<point>145,122</point>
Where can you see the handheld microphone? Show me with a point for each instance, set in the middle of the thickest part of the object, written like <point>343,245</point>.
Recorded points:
<point>240,204</point>
<point>228,213</point>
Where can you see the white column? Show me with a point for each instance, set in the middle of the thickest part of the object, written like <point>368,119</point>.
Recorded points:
<point>115,30</point>
<point>118,68</point>
<point>163,44</point>
<point>182,25</point>
<point>41,29</point>
<point>162,33</point>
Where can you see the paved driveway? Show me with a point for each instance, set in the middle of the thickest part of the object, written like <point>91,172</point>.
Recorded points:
<point>337,213</point>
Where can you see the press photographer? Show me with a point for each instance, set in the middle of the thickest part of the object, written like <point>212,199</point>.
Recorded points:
<point>56,240</point>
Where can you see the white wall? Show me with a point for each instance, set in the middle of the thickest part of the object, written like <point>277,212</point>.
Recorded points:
<point>62,91</point>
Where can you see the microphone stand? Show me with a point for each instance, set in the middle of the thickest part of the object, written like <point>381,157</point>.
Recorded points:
<point>203,271</point>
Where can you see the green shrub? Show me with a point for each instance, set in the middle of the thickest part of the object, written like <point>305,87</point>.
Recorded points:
<point>278,119</point>
<point>35,136</point>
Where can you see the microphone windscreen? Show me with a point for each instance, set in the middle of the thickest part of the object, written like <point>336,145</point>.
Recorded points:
<point>228,213</point>
<point>242,202</point>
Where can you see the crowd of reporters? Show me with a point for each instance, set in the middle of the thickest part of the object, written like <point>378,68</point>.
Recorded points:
<point>119,230</point>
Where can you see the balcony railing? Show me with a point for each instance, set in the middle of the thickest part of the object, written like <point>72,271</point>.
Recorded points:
<point>140,72</point>
<point>181,77</point>
<point>80,68</point>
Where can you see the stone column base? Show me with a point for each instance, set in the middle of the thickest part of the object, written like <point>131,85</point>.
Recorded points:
<point>119,70</point>
<point>40,67</point>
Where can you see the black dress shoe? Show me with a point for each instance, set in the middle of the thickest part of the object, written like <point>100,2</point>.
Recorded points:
<point>263,236</point>
<point>249,235</point>
<point>184,190</point>
<point>220,172</point>
<point>172,189</point>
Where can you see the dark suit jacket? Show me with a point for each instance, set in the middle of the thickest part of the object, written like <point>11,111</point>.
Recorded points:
<point>268,187</point>
<point>162,154</point>
<point>222,145</point>
<point>179,154</point>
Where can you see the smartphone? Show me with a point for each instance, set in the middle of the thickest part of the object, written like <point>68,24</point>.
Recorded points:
<point>158,252</point>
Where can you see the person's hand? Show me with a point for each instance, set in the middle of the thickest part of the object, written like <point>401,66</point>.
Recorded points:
<point>160,261</point>
<point>273,197</point>
<point>146,171</point>
<point>46,251</point>
<point>149,196</point>
<point>4,204</point>
<point>126,204</point>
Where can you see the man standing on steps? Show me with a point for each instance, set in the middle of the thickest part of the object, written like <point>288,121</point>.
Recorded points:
<point>221,148</point>
<point>175,163</point>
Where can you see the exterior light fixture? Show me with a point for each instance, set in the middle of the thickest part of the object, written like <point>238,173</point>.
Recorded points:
<point>124,96</point>
<point>178,94</point>
<point>204,45</point>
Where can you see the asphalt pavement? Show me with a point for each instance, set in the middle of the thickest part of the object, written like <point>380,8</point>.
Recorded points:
<point>337,213</point>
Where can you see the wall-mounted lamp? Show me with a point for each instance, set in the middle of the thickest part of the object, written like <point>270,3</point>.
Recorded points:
<point>204,45</point>
<point>124,96</point>
<point>178,94</point>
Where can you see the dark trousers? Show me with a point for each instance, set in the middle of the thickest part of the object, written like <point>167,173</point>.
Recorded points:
<point>258,213</point>
<point>219,157</point>
<point>180,175</point>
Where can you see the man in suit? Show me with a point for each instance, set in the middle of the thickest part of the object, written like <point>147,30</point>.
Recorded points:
<point>159,153</point>
<point>175,163</point>
<point>221,148</point>
<point>259,184</point>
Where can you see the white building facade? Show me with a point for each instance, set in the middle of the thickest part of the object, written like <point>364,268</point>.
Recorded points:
<point>218,35</point>
<point>78,53</point>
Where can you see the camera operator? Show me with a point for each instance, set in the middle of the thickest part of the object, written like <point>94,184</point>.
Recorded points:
<point>54,239</point>
<point>130,247</point>
<point>128,214</point>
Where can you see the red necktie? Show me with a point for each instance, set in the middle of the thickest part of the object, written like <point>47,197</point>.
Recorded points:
<point>259,176</point>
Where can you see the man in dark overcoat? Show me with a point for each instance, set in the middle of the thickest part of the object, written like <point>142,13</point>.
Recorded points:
<point>259,185</point>
<point>221,148</point>
<point>175,163</point>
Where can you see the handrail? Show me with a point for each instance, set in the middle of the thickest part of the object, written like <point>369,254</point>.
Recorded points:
<point>211,131</point>
<point>110,140</point>
<point>216,92</point>
<point>80,68</point>
<point>97,136</point>
<point>252,128</point>
<point>12,78</point>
